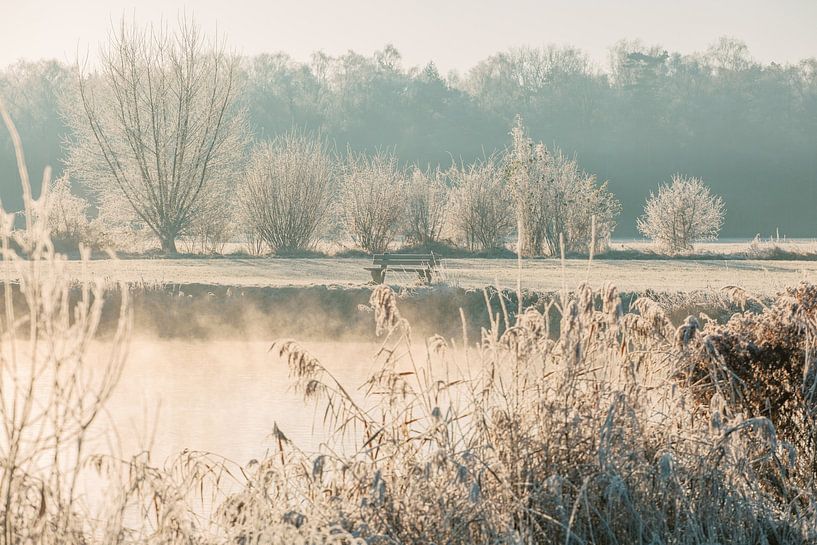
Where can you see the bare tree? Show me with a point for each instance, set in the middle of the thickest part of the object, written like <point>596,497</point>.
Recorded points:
<point>289,190</point>
<point>481,206</point>
<point>373,199</point>
<point>682,213</point>
<point>157,130</point>
<point>555,200</point>
<point>426,206</point>
<point>211,228</point>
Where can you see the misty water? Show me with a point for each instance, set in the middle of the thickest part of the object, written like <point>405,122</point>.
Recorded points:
<point>220,396</point>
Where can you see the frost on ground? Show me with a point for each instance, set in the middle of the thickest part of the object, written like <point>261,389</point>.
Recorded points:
<point>760,277</point>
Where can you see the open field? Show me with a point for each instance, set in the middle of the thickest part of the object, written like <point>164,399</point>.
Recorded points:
<point>725,245</point>
<point>761,277</point>
<point>728,248</point>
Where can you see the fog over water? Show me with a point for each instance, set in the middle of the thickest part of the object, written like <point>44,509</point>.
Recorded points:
<point>222,396</point>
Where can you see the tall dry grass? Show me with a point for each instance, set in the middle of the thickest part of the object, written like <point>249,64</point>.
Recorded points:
<point>598,428</point>
<point>50,393</point>
<point>597,433</point>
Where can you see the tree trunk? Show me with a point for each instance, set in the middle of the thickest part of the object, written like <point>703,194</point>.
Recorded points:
<point>169,245</point>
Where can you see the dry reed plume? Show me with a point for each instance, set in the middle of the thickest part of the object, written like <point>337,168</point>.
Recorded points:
<point>594,435</point>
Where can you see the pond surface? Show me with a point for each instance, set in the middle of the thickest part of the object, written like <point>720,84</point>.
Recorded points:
<point>223,396</point>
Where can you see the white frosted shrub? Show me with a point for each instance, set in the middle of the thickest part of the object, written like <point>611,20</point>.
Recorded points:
<point>67,217</point>
<point>554,198</point>
<point>373,200</point>
<point>427,199</point>
<point>481,207</point>
<point>288,192</point>
<point>683,212</point>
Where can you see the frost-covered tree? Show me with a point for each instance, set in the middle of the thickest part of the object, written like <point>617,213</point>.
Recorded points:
<point>481,206</point>
<point>683,212</point>
<point>373,199</point>
<point>288,191</point>
<point>156,131</point>
<point>426,206</point>
<point>68,213</point>
<point>67,217</point>
<point>554,198</point>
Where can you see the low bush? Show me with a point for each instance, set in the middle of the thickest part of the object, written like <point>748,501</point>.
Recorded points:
<point>558,206</point>
<point>481,208</point>
<point>287,195</point>
<point>426,207</point>
<point>683,212</point>
<point>373,200</point>
<point>762,364</point>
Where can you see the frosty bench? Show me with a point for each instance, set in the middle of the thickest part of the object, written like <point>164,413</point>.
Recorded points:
<point>422,264</point>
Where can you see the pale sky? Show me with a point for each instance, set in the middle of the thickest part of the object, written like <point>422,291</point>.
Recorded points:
<point>455,34</point>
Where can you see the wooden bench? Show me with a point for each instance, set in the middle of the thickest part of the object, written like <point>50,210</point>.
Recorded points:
<point>422,264</point>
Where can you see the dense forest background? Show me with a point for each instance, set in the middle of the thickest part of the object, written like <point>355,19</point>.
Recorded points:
<point>748,129</point>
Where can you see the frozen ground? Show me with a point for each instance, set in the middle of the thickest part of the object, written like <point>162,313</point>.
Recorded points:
<point>764,277</point>
<point>722,246</point>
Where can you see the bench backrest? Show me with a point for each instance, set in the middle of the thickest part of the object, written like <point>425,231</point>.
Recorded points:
<point>405,260</point>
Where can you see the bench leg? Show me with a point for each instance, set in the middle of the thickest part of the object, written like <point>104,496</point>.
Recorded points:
<point>379,276</point>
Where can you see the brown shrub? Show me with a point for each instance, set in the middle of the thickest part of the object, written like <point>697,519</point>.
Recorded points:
<point>763,362</point>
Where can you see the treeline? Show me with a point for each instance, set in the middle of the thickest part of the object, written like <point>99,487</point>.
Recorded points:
<point>748,129</point>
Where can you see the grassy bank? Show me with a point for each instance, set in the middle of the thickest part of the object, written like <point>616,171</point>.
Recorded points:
<point>326,313</point>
